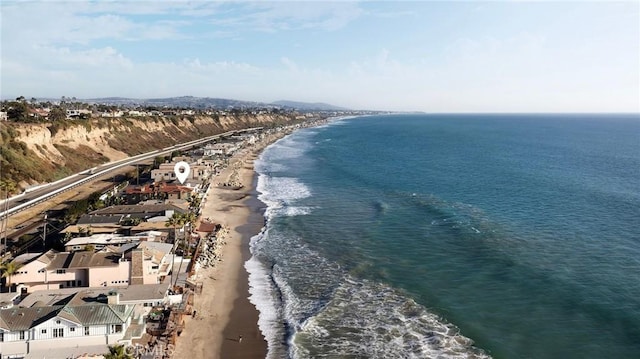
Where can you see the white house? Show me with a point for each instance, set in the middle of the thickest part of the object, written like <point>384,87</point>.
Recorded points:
<point>144,296</point>
<point>44,329</point>
<point>99,241</point>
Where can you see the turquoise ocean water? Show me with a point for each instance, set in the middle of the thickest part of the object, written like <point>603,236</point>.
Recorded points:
<point>452,236</point>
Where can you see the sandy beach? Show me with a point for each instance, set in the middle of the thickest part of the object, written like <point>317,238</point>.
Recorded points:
<point>226,323</point>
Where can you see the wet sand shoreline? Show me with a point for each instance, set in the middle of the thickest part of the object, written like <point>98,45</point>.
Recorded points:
<point>224,312</point>
<point>244,315</point>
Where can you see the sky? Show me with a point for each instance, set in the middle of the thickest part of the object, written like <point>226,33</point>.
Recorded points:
<point>472,56</point>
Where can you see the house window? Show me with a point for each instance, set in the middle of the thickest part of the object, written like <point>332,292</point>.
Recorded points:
<point>1,336</point>
<point>86,330</point>
<point>57,321</point>
<point>43,331</point>
<point>116,328</point>
<point>72,329</point>
<point>60,271</point>
<point>22,335</point>
<point>58,332</point>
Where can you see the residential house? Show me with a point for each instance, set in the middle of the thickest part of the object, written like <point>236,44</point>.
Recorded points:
<point>75,230</point>
<point>97,220</point>
<point>166,172</point>
<point>112,114</point>
<point>99,241</point>
<point>145,295</point>
<point>53,270</point>
<point>133,263</point>
<point>161,191</point>
<point>157,261</point>
<point>65,328</point>
<point>8,300</point>
<point>140,211</point>
<point>221,149</point>
<point>143,227</point>
<point>39,112</point>
<point>136,113</point>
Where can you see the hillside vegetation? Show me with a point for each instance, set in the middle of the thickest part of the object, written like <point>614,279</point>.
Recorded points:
<point>33,153</point>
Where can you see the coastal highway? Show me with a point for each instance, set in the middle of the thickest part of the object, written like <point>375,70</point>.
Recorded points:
<point>36,195</point>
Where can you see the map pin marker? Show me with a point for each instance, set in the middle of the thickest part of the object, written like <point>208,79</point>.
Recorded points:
<point>182,171</point>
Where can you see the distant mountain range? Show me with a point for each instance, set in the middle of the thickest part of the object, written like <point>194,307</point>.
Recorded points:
<point>208,102</point>
<point>183,101</point>
<point>318,106</point>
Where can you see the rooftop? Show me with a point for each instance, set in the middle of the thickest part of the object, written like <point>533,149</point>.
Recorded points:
<point>99,219</point>
<point>25,318</point>
<point>107,239</point>
<point>95,228</point>
<point>82,259</point>
<point>138,209</point>
<point>77,296</point>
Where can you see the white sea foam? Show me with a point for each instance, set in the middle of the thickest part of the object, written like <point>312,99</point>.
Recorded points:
<point>280,195</point>
<point>279,155</point>
<point>288,147</point>
<point>319,310</point>
<point>291,211</point>
<point>367,319</point>
<point>262,295</point>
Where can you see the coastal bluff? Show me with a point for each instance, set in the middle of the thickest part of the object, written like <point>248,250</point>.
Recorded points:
<point>35,153</point>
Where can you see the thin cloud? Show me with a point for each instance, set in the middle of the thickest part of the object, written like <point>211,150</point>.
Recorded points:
<point>288,16</point>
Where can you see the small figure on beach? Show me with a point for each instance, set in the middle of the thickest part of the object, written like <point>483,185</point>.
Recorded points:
<point>239,338</point>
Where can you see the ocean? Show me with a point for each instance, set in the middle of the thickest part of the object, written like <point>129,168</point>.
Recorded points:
<point>451,236</point>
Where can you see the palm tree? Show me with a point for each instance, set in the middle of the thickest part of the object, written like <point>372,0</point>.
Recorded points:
<point>118,352</point>
<point>175,221</point>
<point>194,203</point>
<point>190,219</point>
<point>8,270</point>
<point>9,187</point>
